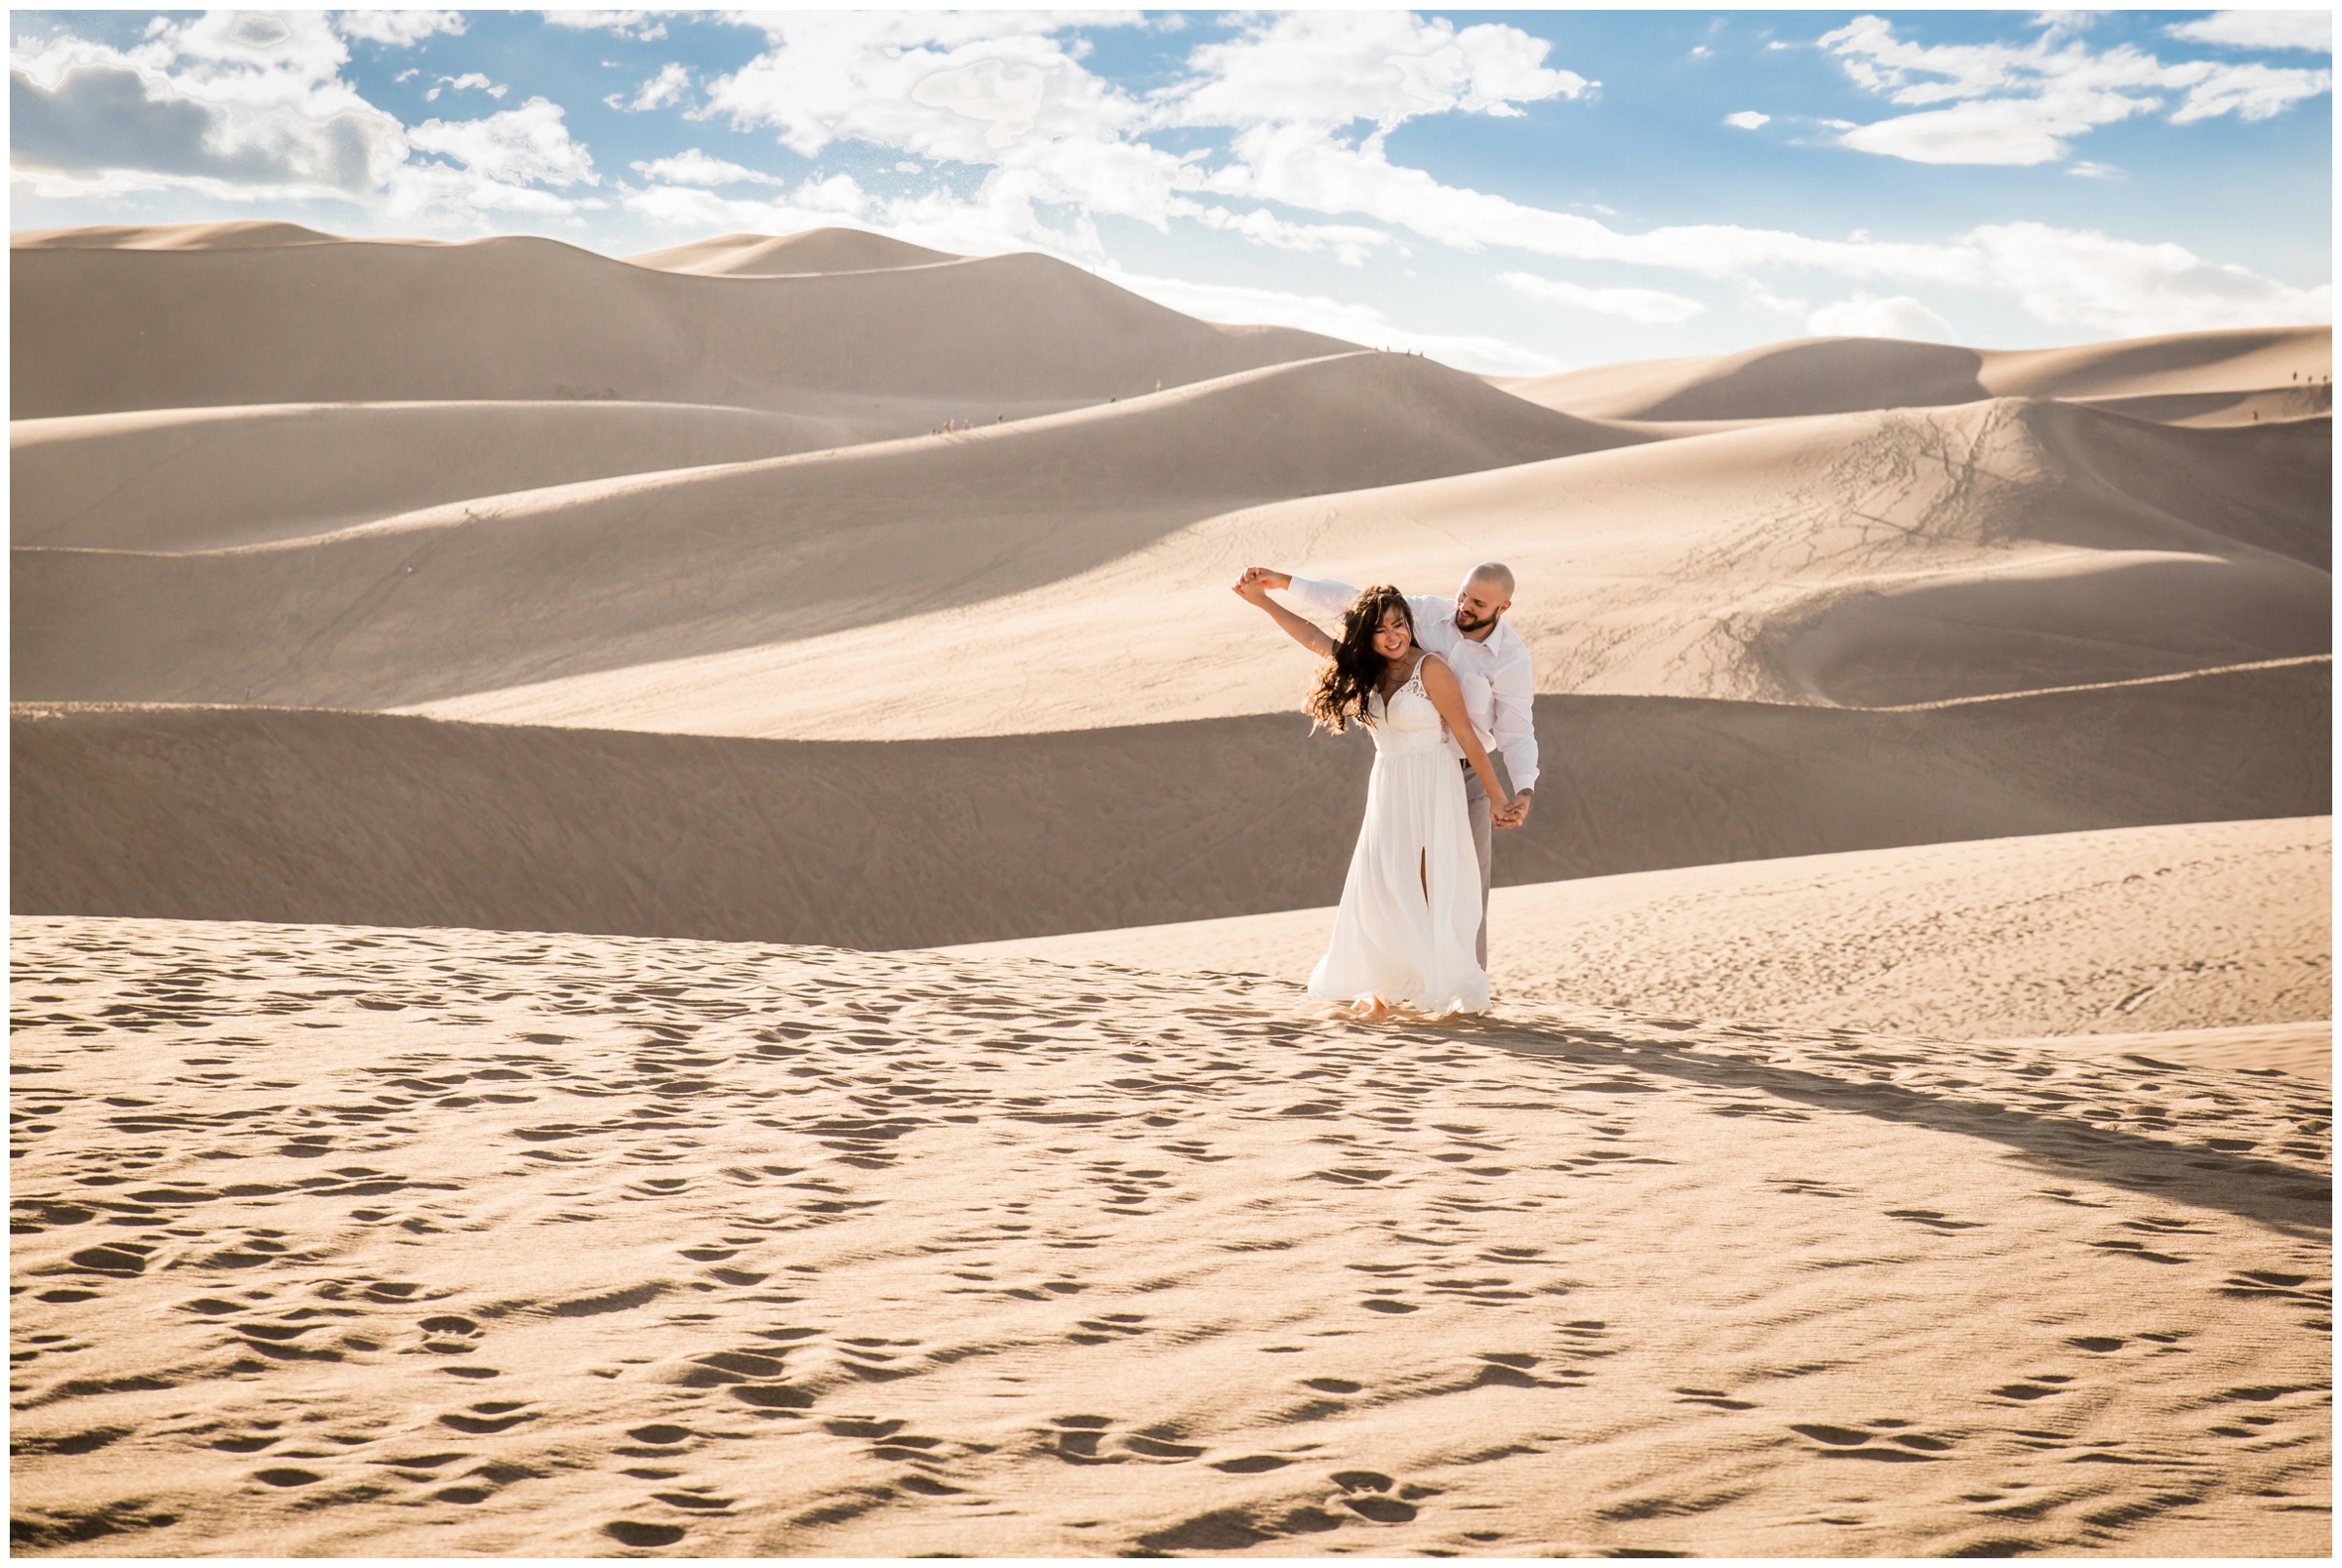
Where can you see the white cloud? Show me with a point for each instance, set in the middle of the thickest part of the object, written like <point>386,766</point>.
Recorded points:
<point>1332,68</point>
<point>241,101</point>
<point>630,23</point>
<point>1900,316</point>
<point>2086,170</point>
<point>1349,244</point>
<point>473,81</point>
<point>696,168</point>
<point>2019,105</point>
<point>1353,323</point>
<point>2127,289</point>
<point>1748,119</point>
<point>660,90</point>
<point>813,204</point>
<point>1650,306</point>
<point>2311,31</point>
<point>1007,98</point>
<point>529,145</point>
<point>398,28</point>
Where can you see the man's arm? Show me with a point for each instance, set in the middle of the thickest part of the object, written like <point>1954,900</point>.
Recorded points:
<point>1323,595</point>
<point>1514,690</point>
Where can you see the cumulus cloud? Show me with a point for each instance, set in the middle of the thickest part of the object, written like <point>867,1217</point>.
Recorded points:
<point>1748,119</point>
<point>526,146</point>
<point>693,167</point>
<point>628,23</point>
<point>248,106</point>
<point>398,28</point>
<point>1900,316</point>
<point>2014,105</point>
<point>2128,289</point>
<point>1333,69</point>
<point>469,81</point>
<point>1650,306</point>
<point>660,90</point>
<point>2313,31</point>
<point>238,101</point>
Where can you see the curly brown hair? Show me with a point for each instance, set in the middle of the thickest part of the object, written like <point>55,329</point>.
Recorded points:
<point>1355,669</point>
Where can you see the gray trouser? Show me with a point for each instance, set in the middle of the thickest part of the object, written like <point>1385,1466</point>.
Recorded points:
<point>1476,807</point>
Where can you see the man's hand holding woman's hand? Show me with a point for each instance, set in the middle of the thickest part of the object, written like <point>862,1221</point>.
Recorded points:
<point>1516,811</point>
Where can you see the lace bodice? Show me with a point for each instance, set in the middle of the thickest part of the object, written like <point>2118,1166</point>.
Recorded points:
<point>1407,722</point>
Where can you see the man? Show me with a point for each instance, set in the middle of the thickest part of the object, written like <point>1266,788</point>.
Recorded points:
<point>1492,664</point>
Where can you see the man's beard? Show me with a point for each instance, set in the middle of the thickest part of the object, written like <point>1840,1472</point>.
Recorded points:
<point>1465,623</point>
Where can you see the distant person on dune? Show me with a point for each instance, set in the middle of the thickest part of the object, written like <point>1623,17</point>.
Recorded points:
<point>1411,928</point>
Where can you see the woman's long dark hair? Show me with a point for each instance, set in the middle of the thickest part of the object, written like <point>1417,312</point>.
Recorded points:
<point>1355,669</point>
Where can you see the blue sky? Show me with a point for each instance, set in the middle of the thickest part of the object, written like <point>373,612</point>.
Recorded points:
<point>1510,191</point>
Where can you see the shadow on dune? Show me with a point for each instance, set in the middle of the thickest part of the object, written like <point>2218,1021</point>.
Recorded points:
<point>367,818</point>
<point>596,575</point>
<point>2283,1197</point>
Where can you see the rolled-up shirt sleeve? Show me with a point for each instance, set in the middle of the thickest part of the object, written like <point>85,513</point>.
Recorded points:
<point>1514,690</point>
<point>1322,594</point>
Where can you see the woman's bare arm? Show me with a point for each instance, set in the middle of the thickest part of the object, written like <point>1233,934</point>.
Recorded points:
<point>1305,632</point>
<point>1447,696</point>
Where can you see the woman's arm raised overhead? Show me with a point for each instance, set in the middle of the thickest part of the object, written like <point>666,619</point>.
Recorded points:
<point>1255,593</point>
<point>1439,684</point>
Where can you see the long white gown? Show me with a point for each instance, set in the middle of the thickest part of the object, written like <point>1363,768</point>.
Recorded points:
<point>1389,939</point>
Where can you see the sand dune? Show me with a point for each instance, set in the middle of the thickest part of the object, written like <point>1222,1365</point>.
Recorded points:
<point>214,478</point>
<point>371,819</point>
<point>233,237</point>
<point>1846,375</point>
<point>1857,559</point>
<point>98,331</point>
<point>478,596</point>
<point>818,249</point>
<point>633,1245</point>
<point>2202,926</point>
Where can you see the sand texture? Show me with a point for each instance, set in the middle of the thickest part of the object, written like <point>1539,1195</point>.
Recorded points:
<point>726,793</point>
<point>730,1250</point>
<point>492,592</point>
<point>98,331</point>
<point>1852,560</point>
<point>271,814</point>
<point>2207,927</point>
<point>2183,377</point>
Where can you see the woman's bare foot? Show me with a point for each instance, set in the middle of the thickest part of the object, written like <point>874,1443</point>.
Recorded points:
<point>1370,1010</point>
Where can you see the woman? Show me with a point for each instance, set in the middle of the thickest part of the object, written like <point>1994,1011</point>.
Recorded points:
<point>1410,910</point>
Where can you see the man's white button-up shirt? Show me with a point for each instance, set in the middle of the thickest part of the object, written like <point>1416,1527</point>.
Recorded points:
<point>1499,687</point>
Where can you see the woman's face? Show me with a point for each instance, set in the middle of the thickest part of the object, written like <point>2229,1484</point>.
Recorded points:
<point>1392,640</point>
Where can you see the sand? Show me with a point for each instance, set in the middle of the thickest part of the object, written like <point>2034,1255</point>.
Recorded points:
<point>105,330</point>
<point>2186,376</point>
<point>819,250</point>
<point>1855,560</point>
<point>507,719</point>
<point>744,1250</point>
<point>501,590</point>
<point>2131,932</point>
<point>384,819</point>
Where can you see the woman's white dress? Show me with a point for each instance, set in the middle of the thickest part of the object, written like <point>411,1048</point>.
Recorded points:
<point>1390,939</point>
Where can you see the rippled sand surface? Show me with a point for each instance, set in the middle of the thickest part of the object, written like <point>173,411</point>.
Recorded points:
<point>335,1239</point>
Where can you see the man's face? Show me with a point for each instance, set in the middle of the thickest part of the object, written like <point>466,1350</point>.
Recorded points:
<point>1477,607</point>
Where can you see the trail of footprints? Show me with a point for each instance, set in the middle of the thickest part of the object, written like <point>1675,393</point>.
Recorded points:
<point>410,1241</point>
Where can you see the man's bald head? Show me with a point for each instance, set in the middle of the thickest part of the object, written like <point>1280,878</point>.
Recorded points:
<point>1486,594</point>
<point>1498,576</point>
